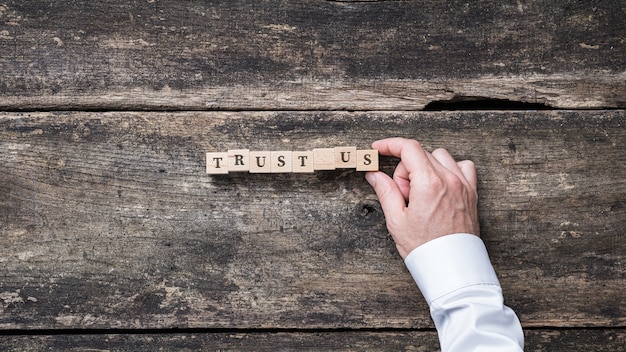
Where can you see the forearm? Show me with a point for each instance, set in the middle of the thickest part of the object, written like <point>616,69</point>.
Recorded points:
<point>458,282</point>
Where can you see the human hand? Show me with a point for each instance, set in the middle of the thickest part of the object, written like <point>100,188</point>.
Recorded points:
<point>430,196</point>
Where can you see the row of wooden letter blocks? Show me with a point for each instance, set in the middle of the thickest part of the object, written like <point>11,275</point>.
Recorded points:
<point>244,160</point>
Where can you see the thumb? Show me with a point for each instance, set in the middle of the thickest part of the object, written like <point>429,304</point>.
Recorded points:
<point>388,193</point>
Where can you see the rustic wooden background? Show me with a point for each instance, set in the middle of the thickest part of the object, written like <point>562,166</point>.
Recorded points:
<point>113,238</point>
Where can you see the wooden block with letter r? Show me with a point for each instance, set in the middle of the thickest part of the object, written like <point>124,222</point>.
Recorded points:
<point>238,160</point>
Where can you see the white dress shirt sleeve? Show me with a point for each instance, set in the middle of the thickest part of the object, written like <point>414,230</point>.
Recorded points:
<point>458,282</point>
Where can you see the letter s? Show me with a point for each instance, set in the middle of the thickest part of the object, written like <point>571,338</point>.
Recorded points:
<point>368,159</point>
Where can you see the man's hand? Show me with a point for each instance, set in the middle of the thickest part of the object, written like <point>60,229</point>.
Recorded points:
<point>431,195</point>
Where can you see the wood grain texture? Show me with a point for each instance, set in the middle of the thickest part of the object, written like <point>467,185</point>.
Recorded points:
<point>610,340</point>
<point>309,54</point>
<point>108,220</point>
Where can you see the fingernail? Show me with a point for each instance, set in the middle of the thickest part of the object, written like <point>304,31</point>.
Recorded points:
<point>371,178</point>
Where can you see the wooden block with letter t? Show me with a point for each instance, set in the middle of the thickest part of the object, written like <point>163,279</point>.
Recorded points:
<point>216,163</point>
<point>302,161</point>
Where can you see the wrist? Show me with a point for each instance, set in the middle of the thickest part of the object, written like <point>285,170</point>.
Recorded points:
<point>448,263</point>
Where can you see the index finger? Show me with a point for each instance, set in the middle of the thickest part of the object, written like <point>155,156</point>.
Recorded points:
<point>410,151</point>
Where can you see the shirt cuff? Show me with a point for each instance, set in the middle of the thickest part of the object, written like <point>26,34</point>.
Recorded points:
<point>449,263</point>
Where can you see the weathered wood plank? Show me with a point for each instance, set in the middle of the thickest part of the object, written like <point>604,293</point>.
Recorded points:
<point>107,220</point>
<point>536,340</point>
<point>309,54</point>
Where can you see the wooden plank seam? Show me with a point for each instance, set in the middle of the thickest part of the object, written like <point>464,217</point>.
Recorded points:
<point>285,161</point>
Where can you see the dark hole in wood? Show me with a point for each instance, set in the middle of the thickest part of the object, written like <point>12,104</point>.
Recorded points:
<point>367,210</point>
<point>482,103</point>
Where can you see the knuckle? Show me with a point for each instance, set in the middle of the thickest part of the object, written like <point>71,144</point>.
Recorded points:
<point>436,183</point>
<point>414,144</point>
<point>455,182</point>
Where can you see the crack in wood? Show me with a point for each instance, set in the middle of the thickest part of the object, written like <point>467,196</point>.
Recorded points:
<point>474,103</point>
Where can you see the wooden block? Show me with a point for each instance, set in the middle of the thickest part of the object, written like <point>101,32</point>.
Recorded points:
<point>345,157</point>
<point>302,162</point>
<point>216,163</point>
<point>238,160</point>
<point>281,161</point>
<point>324,158</point>
<point>367,160</point>
<point>260,162</point>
